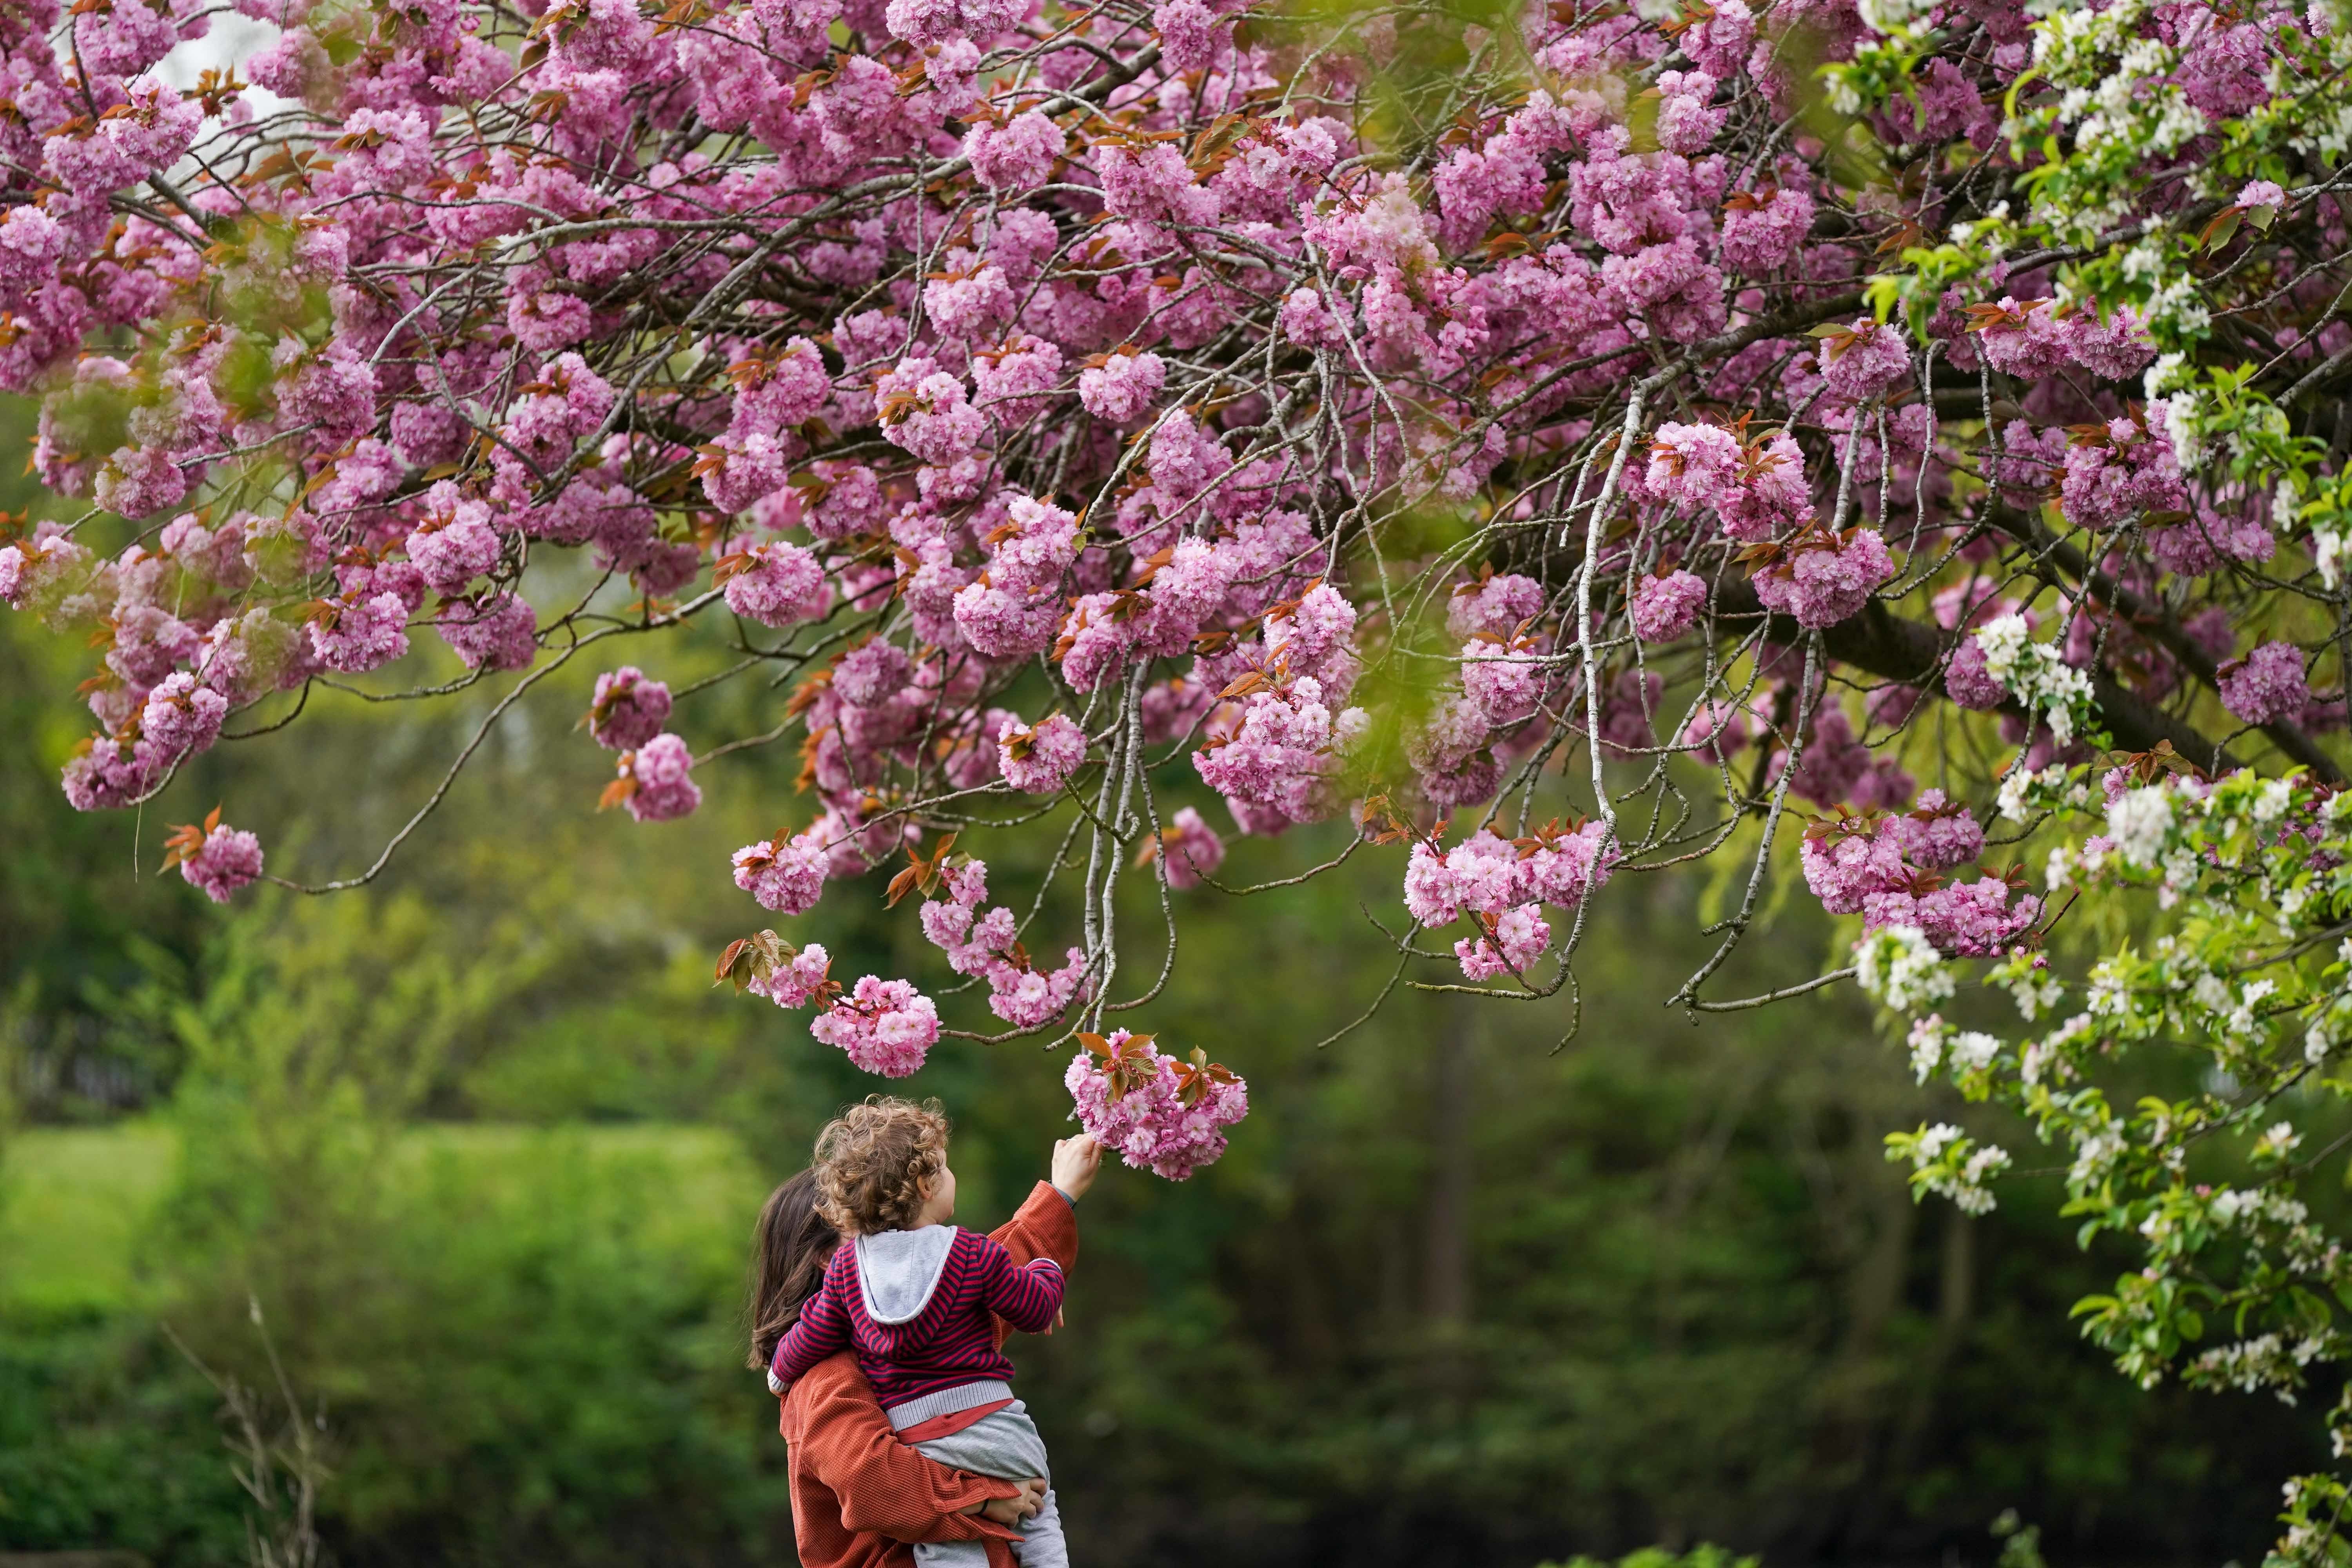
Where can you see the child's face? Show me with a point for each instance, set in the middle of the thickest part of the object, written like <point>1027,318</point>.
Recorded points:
<point>939,1198</point>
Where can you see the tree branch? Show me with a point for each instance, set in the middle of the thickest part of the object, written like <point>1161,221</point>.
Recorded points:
<point>1878,642</point>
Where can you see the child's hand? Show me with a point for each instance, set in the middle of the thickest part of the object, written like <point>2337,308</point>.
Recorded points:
<point>1076,1161</point>
<point>1012,1511</point>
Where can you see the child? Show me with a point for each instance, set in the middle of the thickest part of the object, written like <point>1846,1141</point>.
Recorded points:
<point>912,1296</point>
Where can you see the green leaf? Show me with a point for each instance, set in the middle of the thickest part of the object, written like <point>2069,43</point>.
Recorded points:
<point>2008,98</point>
<point>1642,120</point>
<point>2222,229</point>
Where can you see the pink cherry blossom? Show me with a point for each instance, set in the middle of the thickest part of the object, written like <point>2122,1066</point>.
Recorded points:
<point>1844,867</point>
<point>1104,358</point>
<point>887,1027</point>
<point>784,874</point>
<point>1498,606</point>
<point>800,979</point>
<point>229,858</point>
<point>1122,387</point>
<point>1150,1127</point>
<point>1939,833</point>
<point>2130,471</point>
<point>1966,680</point>
<point>1565,868</point>
<point>1667,606</point>
<point>1716,733</point>
<point>496,631</point>
<point>1866,361</point>
<point>1189,850</point>
<point>1692,466</point>
<point>181,717</point>
<point>1017,156</point>
<point>1187,34</point>
<point>454,542</point>
<point>1030,998</point>
<point>629,710</point>
<point>1271,763</point>
<point>1518,936</point>
<point>659,777</point>
<point>360,633</point>
<point>2266,686</point>
<point>1762,231</point>
<point>872,673</point>
<point>779,585</point>
<point>1040,758</point>
<point>1822,580</point>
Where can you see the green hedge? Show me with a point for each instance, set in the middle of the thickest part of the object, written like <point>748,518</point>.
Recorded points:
<point>532,1352</point>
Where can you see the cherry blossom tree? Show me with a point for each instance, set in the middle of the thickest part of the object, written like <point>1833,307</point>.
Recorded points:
<point>1846,439</point>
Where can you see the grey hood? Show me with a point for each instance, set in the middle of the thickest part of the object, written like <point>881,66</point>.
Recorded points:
<point>899,1270</point>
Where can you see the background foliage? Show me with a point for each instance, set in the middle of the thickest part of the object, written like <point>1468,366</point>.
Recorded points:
<point>487,1146</point>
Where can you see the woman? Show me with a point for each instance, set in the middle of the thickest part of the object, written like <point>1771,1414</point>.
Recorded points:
<point>860,1495</point>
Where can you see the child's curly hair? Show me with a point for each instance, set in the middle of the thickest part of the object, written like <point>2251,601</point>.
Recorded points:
<point>873,1160</point>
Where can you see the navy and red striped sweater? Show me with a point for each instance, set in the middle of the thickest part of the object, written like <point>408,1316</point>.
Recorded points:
<point>921,1323</point>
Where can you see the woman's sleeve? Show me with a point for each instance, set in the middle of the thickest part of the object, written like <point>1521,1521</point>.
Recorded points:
<point>1046,1227</point>
<point>1025,1295</point>
<point>886,1488</point>
<point>823,1330</point>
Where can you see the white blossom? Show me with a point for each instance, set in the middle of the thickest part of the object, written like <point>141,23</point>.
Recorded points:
<point>2110,996</point>
<point>2095,1151</point>
<point>2020,788</point>
<point>2139,821</point>
<point>1974,1050</point>
<point>2277,1142</point>
<point>2036,674</point>
<point>1934,1140</point>
<point>1969,1192</point>
<point>2036,994</point>
<point>1926,1041</point>
<point>1898,965</point>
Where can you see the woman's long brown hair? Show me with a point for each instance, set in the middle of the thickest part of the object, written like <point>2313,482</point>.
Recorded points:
<point>789,1250</point>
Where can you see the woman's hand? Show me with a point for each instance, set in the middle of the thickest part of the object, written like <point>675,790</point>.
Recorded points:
<point>1076,1161</point>
<point>1012,1511</point>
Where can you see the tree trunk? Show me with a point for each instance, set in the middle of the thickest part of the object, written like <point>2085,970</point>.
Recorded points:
<point>1446,1251</point>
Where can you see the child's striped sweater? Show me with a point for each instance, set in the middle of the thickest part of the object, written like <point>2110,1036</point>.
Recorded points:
<point>914,1305</point>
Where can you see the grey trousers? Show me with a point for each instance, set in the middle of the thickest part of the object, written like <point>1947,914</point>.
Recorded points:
<point>1004,1444</point>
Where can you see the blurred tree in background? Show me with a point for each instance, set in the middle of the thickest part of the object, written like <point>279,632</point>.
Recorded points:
<point>488,1146</point>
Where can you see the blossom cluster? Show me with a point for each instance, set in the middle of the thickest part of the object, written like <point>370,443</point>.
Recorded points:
<point>2231,882</point>
<point>887,1027</point>
<point>1154,1111</point>
<point>1501,886</point>
<point>989,946</point>
<point>1889,868</point>
<point>1047,473</point>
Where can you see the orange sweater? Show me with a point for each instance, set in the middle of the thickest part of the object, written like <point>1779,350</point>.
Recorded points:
<point>859,1495</point>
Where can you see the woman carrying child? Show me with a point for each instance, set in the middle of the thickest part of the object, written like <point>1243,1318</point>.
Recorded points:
<point>860,1492</point>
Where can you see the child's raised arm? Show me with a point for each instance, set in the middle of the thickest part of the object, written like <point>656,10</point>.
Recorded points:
<point>1076,1161</point>
<point>1025,1295</point>
<point>823,1330</point>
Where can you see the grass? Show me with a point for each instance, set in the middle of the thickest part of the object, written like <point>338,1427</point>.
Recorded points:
<point>74,1202</point>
